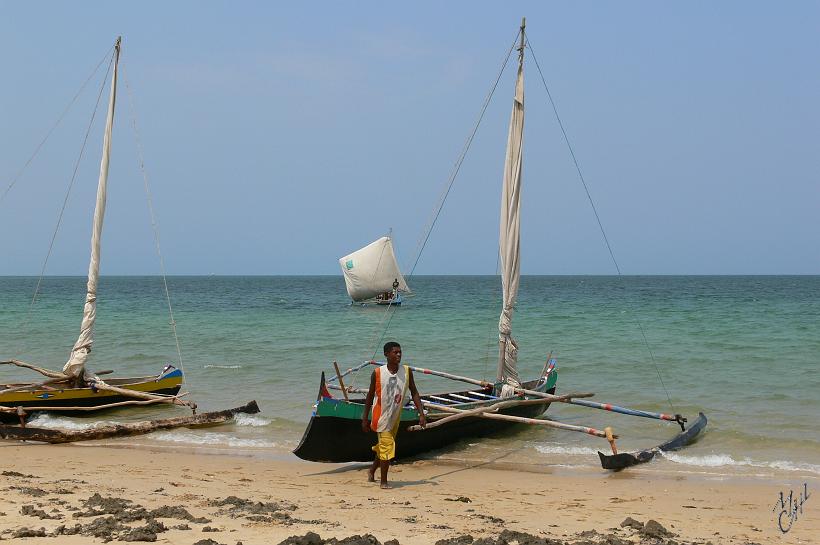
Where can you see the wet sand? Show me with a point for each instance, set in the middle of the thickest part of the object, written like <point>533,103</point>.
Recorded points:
<point>77,494</point>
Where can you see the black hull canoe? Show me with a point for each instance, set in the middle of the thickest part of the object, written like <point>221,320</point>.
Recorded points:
<point>330,438</point>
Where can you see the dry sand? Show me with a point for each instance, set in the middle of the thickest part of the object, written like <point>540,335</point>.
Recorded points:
<point>184,498</point>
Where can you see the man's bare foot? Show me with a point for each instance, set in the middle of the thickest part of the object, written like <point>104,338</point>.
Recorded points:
<point>371,476</point>
<point>385,486</point>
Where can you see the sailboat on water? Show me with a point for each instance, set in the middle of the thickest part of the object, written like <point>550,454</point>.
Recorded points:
<point>76,389</point>
<point>334,432</point>
<point>372,274</point>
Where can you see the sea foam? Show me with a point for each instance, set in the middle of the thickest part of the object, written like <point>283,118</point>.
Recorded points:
<point>560,449</point>
<point>725,460</point>
<point>253,420</point>
<point>210,438</point>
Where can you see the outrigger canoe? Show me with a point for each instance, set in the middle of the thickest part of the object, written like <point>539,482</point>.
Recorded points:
<point>334,433</point>
<point>57,398</point>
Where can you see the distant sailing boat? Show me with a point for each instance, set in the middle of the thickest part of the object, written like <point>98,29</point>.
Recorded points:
<point>334,433</point>
<point>76,389</point>
<point>372,274</point>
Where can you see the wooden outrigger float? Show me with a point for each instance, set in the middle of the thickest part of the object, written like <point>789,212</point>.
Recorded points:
<point>334,433</point>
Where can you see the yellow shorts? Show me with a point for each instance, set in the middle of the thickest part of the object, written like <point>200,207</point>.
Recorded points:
<point>385,449</point>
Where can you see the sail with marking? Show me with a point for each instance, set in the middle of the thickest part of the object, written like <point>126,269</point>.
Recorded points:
<point>371,271</point>
<point>510,230</point>
<point>75,366</point>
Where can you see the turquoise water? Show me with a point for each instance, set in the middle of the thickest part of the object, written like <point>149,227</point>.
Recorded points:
<point>743,349</point>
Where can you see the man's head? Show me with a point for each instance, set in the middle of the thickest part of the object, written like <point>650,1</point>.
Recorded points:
<point>392,351</point>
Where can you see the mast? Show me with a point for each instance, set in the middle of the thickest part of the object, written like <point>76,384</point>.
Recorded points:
<point>510,228</point>
<point>75,366</point>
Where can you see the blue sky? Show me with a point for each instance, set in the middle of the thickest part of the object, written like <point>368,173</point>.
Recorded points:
<point>280,136</point>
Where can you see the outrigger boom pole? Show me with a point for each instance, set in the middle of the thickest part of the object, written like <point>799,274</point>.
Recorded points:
<point>572,400</point>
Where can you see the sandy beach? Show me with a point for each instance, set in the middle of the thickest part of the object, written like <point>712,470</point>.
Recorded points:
<point>77,494</point>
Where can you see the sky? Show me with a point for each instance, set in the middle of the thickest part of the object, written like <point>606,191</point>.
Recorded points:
<point>279,137</point>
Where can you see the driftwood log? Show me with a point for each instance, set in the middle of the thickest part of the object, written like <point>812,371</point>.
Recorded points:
<point>124,430</point>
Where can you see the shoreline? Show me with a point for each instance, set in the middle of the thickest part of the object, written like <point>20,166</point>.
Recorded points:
<point>432,499</point>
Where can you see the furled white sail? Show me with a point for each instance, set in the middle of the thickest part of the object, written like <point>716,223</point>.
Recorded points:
<point>372,270</point>
<point>75,366</point>
<point>509,235</point>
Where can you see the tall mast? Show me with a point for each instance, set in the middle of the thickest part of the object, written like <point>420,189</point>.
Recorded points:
<point>510,227</point>
<point>75,367</point>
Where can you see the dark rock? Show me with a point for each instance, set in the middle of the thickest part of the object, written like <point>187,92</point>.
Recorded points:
<point>309,538</point>
<point>632,523</point>
<point>465,539</point>
<point>366,539</point>
<point>30,511</point>
<point>238,507</point>
<point>177,512</point>
<point>391,542</point>
<point>29,491</point>
<point>64,530</point>
<point>139,534</point>
<point>181,527</point>
<point>463,499</point>
<point>612,539</point>
<point>104,528</point>
<point>207,542</point>
<point>209,529</point>
<point>653,528</point>
<point>28,532</point>
<point>18,474</point>
<point>523,538</point>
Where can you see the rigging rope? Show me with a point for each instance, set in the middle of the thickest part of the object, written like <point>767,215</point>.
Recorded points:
<point>154,223</point>
<point>24,328</point>
<point>457,166</point>
<point>37,149</point>
<point>445,193</point>
<point>598,219</point>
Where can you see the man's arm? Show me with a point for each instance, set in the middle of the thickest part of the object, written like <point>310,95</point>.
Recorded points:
<point>417,400</point>
<point>368,403</point>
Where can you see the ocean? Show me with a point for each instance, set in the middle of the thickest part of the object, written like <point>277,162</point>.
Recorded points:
<point>745,350</point>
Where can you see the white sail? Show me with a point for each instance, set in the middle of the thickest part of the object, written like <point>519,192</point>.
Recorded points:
<point>75,366</point>
<point>510,230</point>
<point>372,270</point>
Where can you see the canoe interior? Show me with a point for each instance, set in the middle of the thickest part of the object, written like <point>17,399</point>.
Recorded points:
<point>334,433</point>
<point>166,383</point>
